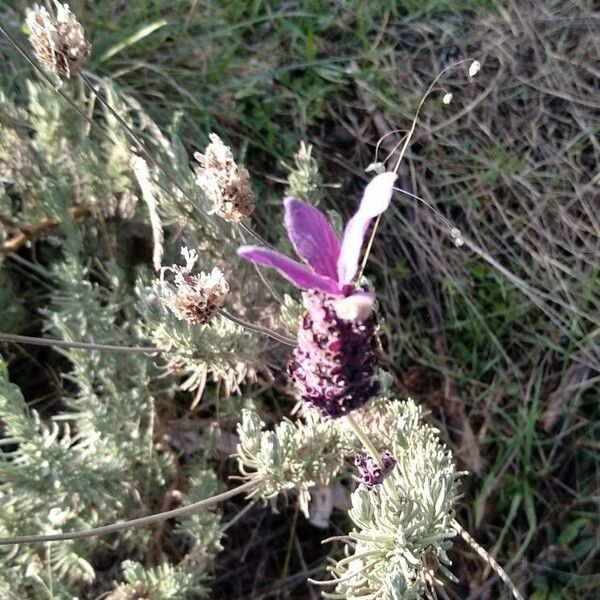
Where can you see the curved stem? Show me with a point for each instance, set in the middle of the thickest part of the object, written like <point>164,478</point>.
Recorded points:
<point>364,439</point>
<point>487,557</point>
<point>163,516</point>
<point>39,341</point>
<point>407,141</point>
<point>260,274</point>
<point>288,341</point>
<point>255,235</point>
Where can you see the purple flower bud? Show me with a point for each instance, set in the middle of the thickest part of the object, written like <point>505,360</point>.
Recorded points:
<point>370,472</point>
<point>335,361</point>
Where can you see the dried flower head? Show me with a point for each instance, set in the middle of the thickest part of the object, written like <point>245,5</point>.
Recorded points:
<point>194,298</point>
<point>226,184</point>
<point>371,473</point>
<point>58,39</point>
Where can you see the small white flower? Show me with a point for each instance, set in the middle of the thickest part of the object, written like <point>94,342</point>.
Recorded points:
<point>456,235</point>
<point>474,68</point>
<point>447,98</point>
<point>376,167</point>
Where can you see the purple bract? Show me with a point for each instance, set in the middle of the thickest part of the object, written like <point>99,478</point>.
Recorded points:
<point>332,265</point>
<point>370,472</point>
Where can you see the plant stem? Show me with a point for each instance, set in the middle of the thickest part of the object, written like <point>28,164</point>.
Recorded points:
<point>288,341</point>
<point>156,518</point>
<point>364,439</point>
<point>488,558</point>
<point>39,341</point>
<point>407,141</point>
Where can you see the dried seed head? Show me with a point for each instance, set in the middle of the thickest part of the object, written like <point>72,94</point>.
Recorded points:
<point>58,39</point>
<point>194,298</point>
<point>225,183</point>
<point>370,472</point>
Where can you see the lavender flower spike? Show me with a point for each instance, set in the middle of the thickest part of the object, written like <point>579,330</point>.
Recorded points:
<point>336,358</point>
<point>331,265</point>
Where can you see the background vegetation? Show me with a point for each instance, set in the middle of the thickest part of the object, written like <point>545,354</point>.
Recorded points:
<point>498,338</point>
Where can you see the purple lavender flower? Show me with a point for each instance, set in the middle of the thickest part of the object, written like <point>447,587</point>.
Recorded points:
<point>371,473</point>
<point>335,361</point>
<point>337,353</point>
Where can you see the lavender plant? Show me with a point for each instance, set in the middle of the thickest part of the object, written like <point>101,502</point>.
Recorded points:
<point>403,508</point>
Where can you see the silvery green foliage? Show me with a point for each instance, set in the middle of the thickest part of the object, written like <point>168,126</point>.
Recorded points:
<point>188,579</point>
<point>304,180</point>
<point>403,528</point>
<point>163,582</point>
<point>295,455</point>
<point>202,529</point>
<point>220,351</point>
<point>95,462</point>
<point>96,459</point>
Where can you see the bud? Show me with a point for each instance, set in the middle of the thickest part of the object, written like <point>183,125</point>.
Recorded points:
<point>371,473</point>
<point>335,360</point>
<point>447,98</point>
<point>226,184</point>
<point>58,40</point>
<point>474,68</point>
<point>194,298</point>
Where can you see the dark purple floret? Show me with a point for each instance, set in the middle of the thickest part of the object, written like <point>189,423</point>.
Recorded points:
<point>370,472</point>
<point>335,361</point>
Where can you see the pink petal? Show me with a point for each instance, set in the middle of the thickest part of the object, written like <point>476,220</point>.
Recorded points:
<point>296,273</point>
<point>312,236</point>
<point>376,198</point>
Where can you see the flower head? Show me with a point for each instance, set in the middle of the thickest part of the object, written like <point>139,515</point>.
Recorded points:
<point>226,184</point>
<point>195,298</point>
<point>335,360</point>
<point>336,357</point>
<point>58,39</point>
<point>331,264</point>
